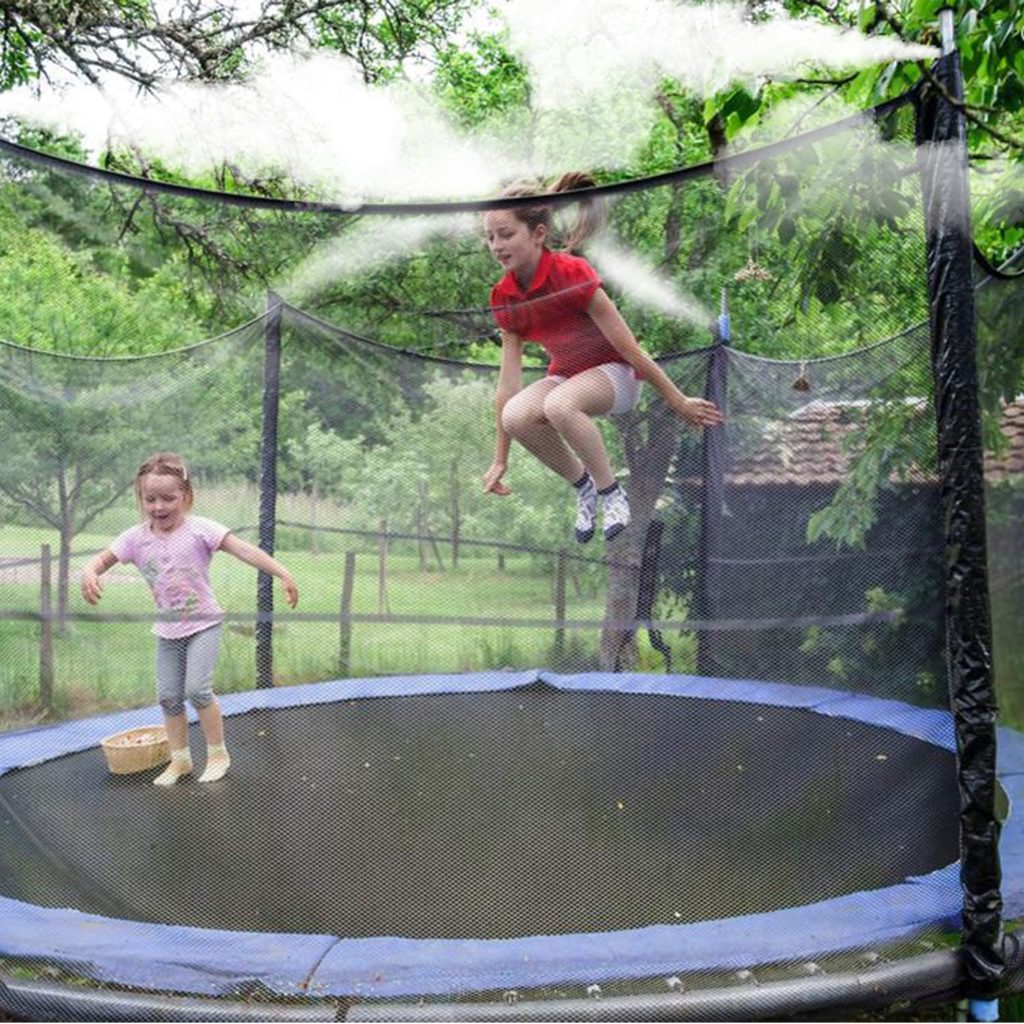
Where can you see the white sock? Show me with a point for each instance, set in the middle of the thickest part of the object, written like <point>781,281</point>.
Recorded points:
<point>217,763</point>
<point>181,765</point>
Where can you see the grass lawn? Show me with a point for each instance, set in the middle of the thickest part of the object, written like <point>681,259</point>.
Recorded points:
<point>105,666</point>
<point>102,666</point>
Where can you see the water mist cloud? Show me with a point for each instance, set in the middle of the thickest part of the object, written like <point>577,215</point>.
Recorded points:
<point>596,62</point>
<point>573,48</point>
<point>311,119</point>
<point>592,64</point>
<point>368,244</point>
<point>644,284</point>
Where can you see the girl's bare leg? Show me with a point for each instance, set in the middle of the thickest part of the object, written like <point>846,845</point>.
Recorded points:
<point>177,730</point>
<point>212,723</point>
<point>524,419</point>
<point>569,408</point>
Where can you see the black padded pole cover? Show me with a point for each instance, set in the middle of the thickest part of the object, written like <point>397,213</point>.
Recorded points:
<point>713,467</point>
<point>942,159</point>
<point>268,488</point>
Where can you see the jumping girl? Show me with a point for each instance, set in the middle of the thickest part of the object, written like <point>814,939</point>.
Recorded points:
<point>555,298</point>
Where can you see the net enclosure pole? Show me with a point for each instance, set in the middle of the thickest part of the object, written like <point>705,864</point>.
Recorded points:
<point>268,488</point>
<point>713,474</point>
<point>943,164</point>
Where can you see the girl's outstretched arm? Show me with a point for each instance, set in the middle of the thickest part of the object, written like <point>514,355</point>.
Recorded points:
<point>510,382</point>
<point>258,558</point>
<point>92,589</point>
<point>697,411</point>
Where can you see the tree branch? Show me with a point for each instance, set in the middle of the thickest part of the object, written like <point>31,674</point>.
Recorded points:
<point>31,503</point>
<point>88,517</point>
<point>207,42</point>
<point>969,110</point>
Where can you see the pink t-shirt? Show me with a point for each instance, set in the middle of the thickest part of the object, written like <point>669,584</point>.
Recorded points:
<point>176,566</point>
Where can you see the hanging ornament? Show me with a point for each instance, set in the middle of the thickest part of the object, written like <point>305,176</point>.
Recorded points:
<point>802,382</point>
<point>753,271</point>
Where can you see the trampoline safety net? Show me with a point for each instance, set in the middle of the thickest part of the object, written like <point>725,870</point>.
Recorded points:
<point>478,755</point>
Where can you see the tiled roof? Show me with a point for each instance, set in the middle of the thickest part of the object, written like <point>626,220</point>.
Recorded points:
<point>808,448</point>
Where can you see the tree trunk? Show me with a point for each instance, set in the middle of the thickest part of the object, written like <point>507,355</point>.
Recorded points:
<point>673,226</point>
<point>674,217</point>
<point>719,141</point>
<point>648,460</point>
<point>67,535</point>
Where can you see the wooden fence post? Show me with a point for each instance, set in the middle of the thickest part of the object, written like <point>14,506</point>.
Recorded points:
<point>422,520</point>
<point>345,627</point>
<point>382,569</point>
<point>45,629</point>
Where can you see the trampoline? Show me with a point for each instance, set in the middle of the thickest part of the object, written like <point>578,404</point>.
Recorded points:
<point>783,830</point>
<point>417,836</point>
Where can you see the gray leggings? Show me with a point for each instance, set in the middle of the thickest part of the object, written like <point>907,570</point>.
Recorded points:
<point>184,669</point>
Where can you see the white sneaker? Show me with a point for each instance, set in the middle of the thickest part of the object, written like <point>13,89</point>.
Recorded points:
<point>616,512</point>
<point>586,511</point>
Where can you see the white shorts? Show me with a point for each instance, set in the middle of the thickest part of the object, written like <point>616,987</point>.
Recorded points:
<point>625,385</point>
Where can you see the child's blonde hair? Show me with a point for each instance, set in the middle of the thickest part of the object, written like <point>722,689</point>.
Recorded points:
<point>166,464</point>
<point>589,220</point>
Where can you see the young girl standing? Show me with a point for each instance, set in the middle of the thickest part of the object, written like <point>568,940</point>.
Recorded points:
<point>172,550</point>
<point>555,298</point>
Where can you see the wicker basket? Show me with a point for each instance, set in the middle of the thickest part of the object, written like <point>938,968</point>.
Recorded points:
<point>135,750</point>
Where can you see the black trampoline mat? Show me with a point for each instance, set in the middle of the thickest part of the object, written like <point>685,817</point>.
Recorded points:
<point>488,815</point>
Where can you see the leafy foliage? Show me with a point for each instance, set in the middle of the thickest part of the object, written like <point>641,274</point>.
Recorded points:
<point>209,39</point>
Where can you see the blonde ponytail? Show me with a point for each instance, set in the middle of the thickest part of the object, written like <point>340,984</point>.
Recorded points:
<point>591,215</point>
<point>591,212</point>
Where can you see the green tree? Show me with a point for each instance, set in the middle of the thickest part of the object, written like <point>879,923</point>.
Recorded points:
<point>209,40</point>
<point>56,299</point>
<point>325,465</point>
<point>84,425</point>
<point>989,34</point>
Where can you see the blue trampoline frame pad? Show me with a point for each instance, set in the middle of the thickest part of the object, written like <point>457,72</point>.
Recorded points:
<point>210,962</point>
